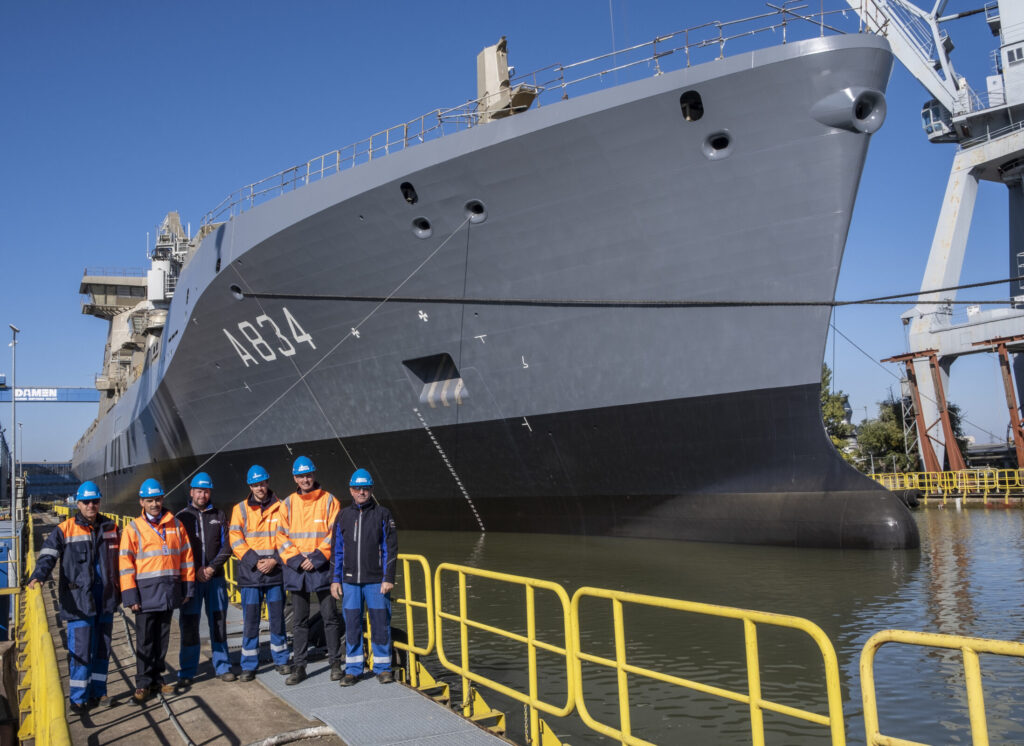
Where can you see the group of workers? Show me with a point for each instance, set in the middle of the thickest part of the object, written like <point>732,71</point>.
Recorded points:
<point>306,544</point>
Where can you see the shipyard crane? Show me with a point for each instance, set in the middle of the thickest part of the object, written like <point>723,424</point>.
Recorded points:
<point>988,130</point>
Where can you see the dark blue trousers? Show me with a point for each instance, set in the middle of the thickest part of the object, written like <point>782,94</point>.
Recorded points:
<point>214,594</point>
<point>378,607</point>
<point>89,657</point>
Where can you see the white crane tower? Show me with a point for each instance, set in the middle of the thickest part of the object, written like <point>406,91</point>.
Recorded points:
<point>989,132</point>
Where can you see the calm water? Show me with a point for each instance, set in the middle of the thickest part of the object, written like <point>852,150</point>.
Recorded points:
<point>967,578</point>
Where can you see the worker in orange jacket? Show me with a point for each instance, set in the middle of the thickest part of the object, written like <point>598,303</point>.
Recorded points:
<point>305,536</point>
<point>253,537</point>
<point>157,576</point>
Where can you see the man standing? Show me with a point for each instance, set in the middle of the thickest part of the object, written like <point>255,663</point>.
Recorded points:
<point>157,576</point>
<point>304,543</point>
<point>365,553</point>
<point>207,529</point>
<point>86,547</point>
<point>253,536</point>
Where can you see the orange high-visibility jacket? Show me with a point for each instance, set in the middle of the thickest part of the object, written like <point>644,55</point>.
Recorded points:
<point>253,536</point>
<point>157,570</point>
<point>306,532</point>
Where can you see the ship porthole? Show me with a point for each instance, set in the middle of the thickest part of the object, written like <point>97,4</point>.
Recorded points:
<point>717,145</point>
<point>692,106</point>
<point>409,193</point>
<point>237,292</point>
<point>421,227</point>
<point>475,211</point>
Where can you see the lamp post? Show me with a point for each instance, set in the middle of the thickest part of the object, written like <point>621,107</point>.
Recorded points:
<point>14,390</point>
<point>21,454</point>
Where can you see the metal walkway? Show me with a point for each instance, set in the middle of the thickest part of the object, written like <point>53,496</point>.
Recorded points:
<point>372,714</point>
<point>367,714</point>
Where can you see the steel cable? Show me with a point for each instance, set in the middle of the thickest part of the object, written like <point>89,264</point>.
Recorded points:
<point>163,700</point>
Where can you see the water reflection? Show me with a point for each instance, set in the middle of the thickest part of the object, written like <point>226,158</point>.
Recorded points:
<point>967,578</point>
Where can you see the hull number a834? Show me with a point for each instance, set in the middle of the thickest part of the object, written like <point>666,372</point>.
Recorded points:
<point>266,340</point>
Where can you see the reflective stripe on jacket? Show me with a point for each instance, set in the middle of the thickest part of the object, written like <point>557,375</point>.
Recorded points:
<point>80,547</point>
<point>253,535</point>
<point>365,544</point>
<point>306,532</point>
<point>208,535</point>
<point>157,570</point>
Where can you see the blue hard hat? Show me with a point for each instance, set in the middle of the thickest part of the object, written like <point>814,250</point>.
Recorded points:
<point>202,481</point>
<point>303,465</point>
<point>360,478</point>
<point>151,488</point>
<point>88,491</point>
<point>256,475</point>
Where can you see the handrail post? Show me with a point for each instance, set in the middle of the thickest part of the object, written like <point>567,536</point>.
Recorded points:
<point>531,634</point>
<point>467,697</point>
<point>620,668</point>
<point>975,698</point>
<point>754,682</point>
<point>413,677</point>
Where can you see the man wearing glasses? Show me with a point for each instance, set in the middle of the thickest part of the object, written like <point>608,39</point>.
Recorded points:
<point>86,545</point>
<point>365,553</point>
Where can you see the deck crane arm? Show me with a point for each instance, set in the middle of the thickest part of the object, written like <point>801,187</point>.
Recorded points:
<point>920,45</point>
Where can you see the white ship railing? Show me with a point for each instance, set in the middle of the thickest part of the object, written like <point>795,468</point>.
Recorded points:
<point>787,21</point>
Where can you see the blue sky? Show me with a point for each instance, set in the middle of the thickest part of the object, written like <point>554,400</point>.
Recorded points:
<point>117,112</point>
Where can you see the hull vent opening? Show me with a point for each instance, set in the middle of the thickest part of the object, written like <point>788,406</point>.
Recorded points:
<point>436,381</point>
<point>692,106</point>
<point>409,193</point>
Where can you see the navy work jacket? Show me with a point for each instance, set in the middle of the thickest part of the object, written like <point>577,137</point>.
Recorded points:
<point>82,548</point>
<point>208,534</point>
<point>365,544</point>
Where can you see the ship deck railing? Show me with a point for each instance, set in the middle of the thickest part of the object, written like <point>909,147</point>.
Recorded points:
<point>790,20</point>
<point>563,641</point>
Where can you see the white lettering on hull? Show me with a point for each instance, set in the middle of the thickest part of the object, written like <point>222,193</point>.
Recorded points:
<point>259,345</point>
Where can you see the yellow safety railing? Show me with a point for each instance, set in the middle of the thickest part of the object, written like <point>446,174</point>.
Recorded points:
<point>411,604</point>
<point>982,483</point>
<point>531,698</point>
<point>42,706</point>
<point>969,647</point>
<point>752,697</point>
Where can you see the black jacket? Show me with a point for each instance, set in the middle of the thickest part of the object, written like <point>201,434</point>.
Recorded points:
<point>208,534</point>
<point>80,547</point>
<point>365,544</point>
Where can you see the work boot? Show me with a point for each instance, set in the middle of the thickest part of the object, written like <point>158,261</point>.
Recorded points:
<point>228,676</point>
<point>386,677</point>
<point>247,676</point>
<point>139,696</point>
<point>103,701</point>
<point>79,708</point>
<point>182,685</point>
<point>159,687</point>
<point>348,680</point>
<point>298,675</point>
<point>336,671</point>
<point>284,669</point>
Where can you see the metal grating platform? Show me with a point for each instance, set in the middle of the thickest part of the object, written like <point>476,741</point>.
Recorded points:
<point>367,714</point>
<point>372,714</point>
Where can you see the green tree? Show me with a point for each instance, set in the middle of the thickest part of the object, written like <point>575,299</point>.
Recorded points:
<point>835,414</point>
<point>880,442</point>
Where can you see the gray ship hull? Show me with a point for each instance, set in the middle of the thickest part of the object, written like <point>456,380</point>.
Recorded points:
<point>503,373</point>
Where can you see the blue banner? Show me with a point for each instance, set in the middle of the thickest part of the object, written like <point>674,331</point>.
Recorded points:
<point>49,393</point>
